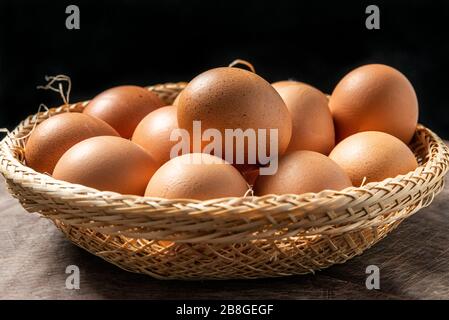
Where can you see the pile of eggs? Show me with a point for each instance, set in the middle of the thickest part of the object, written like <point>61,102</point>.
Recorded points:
<point>121,141</point>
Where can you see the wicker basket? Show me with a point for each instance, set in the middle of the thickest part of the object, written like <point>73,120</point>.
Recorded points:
<point>247,237</point>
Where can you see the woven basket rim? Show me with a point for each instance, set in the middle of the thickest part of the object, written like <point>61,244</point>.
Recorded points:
<point>4,144</point>
<point>368,194</point>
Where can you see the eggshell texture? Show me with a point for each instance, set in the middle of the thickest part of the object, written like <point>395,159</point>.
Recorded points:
<point>196,176</point>
<point>301,172</point>
<point>55,135</point>
<point>153,133</point>
<point>123,107</point>
<point>375,98</point>
<point>232,98</point>
<point>107,164</point>
<point>313,127</point>
<point>374,155</point>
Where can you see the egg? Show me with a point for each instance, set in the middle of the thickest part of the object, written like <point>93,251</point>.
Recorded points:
<point>375,97</point>
<point>108,164</point>
<point>284,83</point>
<point>196,176</point>
<point>123,107</point>
<point>373,155</point>
<point>301,172</point>
<point>153,133</point>
<point>55,135</point>
<point>233,98</point>
<point>313,127</point>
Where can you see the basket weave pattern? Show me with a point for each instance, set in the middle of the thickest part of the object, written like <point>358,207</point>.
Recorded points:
<point>246,237</point>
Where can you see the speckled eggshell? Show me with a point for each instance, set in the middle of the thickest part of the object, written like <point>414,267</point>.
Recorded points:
<point>301,172</point>
<point>107,164</point>
<point>374,155</point>
<point>233,98</point>
<point>196,176</point>
<point>153,133</point>
<point>55,135</point>
<point>313,127</point>
<point>375,97</point>
<point>123,107</point>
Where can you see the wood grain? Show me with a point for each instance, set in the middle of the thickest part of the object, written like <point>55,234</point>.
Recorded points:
<point>413,262</point>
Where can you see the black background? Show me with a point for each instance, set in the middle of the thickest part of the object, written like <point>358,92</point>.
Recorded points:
<point>148,42</point>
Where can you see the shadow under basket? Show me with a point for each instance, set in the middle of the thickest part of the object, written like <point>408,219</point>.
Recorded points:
<point>246,237</point>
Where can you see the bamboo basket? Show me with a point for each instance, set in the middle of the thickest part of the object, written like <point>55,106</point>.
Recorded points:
<point>247,237</point>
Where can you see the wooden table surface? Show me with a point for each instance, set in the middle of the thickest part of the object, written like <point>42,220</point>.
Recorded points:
<point>413,262</point>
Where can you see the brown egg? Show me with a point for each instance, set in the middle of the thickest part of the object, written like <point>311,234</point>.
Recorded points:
<point>123,107</point>
<point>284,83</point>
<point>374,155</point>
<point>153,133</point>
<point>313,127</point>
<point>55,135</point>
<point>301,172</point>
<point>233,98</point>
<point>375,97</point>
<point>196,176</point>
<point>107,164</point>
